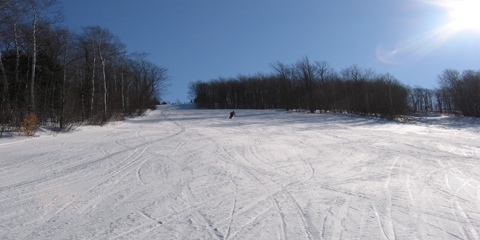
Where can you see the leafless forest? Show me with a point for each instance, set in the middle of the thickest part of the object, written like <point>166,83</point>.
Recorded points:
<point>64,77</point>
<point>316,86</point>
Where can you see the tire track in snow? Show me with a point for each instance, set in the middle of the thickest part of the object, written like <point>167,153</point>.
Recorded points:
<point>339,219</point>
<point>380,225</point>
<point>463,221</point>
<point>182,128</point>
<point>194,208</point>
<point>345,207</point>
<point>253,151</point>
<point>51,162</point>
<point>68,171</point>
<point>114,174</point>
<point>342,214</point>
<point>108,178</point>
<point>86,197</point>
<point>390,230</point>
<point>142,230</point>
<point>187,211</point>
<point>205,222</point>
<point>88,164</point>
<point>307,226</point>
<point>468,229</point>
<point>49,176</point>
<point>425,200</point>
<point>78,167</point>
<point>306,165</point>
<point>283,234</point>
<point>139,168</point>
<point>252,221</point>
<point>232,212</point>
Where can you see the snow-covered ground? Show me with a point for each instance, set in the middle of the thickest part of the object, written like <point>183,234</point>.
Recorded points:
<point>181,173</point>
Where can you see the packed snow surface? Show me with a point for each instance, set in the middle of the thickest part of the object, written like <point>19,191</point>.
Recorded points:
<point>180,173</point>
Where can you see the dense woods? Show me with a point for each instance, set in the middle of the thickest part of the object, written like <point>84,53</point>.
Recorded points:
<point>459,92</point>
<point>315,86</point>
<point>307,85</point>
<point>64,77</point>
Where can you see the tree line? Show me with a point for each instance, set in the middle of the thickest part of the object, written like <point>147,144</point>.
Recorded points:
<point>307,85</point>
<point>65,77</point>
<point>315,86</point>
<point>458,93</point>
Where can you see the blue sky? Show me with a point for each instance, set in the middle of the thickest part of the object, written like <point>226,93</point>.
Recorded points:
<point>207,39</point>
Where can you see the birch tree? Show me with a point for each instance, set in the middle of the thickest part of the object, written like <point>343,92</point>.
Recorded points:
<point>38,10</point>
<point>106,46</point>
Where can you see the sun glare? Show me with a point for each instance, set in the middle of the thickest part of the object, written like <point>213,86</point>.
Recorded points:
<point>463,14</point>
<point>458,16</point>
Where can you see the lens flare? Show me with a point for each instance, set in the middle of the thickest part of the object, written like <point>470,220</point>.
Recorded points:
<point>387,56</point>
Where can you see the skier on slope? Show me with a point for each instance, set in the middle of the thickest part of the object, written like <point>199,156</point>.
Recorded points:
<point>232,113</point>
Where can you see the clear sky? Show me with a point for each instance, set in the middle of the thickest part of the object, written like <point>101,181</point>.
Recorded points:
<point>414,40</point>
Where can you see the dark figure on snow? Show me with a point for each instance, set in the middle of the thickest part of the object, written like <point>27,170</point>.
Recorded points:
<point>232,113</point>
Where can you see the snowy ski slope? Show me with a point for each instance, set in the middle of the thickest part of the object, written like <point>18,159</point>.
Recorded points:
<point>181,173</point>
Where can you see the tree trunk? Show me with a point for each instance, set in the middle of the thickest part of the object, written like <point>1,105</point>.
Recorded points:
<point>104,86</point>
<point>5,105</point>
<point>122,84</point>
<point>62,100</point>
<point>93,85</point>
<point>17,64</point>
<point>34,63</point>
<point>5,96</point>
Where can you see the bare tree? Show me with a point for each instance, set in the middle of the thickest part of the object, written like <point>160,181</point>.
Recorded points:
<point>463,89</point>
<point>307,71</point>
<point>37,11</point>
<point>107,47</point>
<point>66,77</point>
<point>290,87</point>
<point>14,14</point>
<point>325,76</point>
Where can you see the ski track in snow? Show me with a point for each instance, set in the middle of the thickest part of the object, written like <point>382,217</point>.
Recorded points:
<point>180,173</point>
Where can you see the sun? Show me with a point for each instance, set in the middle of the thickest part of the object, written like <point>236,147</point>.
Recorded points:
<point>455,21</point>
<point>463,14</point>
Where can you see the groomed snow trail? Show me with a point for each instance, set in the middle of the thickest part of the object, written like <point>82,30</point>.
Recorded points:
<point>181,173</point>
